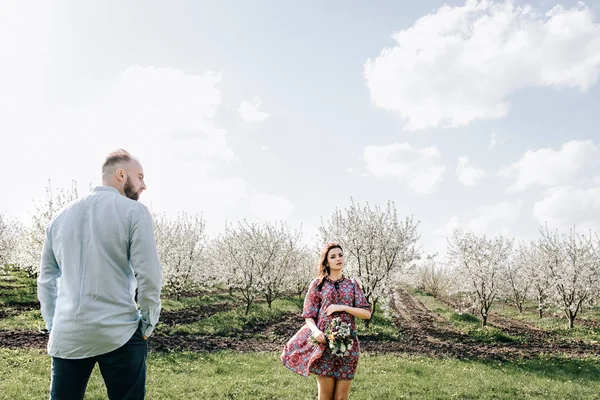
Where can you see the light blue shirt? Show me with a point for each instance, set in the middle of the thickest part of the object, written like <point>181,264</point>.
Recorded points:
<point>86,285</point>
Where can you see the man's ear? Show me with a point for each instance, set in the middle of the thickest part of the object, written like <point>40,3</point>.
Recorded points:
<point>120,174</point>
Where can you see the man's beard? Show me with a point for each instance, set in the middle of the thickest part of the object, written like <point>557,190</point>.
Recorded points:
<point>129,191</point>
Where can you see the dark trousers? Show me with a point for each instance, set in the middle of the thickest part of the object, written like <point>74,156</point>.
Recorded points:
<point>123,371</point>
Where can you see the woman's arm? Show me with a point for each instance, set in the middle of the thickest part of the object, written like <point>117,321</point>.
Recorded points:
<point>316,332</point>
<point>357,312</point>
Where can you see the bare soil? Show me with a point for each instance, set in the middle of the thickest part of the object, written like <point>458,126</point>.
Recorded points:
<point>421,331</point>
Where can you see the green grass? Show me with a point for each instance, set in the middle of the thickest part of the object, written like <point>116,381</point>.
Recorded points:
<point>18,302</point>
<point>381,328</point>
<point>466,323</point>
<point>227,375</point>
<point>555,324</point>
<point>170,304</point>
<point>235,323</point>
<point>25,374</point>
<point>23,321</point>
<point>17,288</point>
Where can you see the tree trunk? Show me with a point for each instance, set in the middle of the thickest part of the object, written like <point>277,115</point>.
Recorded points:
<point>248,304</point>
<point>368,321</point>
<point>540,312</point>
<point>484,317</point>
<point>231,290</point>
<point>520,307</point>
<point>571,317</point>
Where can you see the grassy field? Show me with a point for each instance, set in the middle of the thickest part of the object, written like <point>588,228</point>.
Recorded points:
<point>24,374</point>
<point>385,372</point>
<point>587,323</point>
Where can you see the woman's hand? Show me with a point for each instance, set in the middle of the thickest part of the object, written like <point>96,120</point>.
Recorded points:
<point>335,308</point>
<point>319,336</point>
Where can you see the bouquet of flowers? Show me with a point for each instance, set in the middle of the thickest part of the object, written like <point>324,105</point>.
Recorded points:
<point>339,337</point>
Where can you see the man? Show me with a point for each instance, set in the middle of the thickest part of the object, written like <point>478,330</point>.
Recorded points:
<point>96,250</point>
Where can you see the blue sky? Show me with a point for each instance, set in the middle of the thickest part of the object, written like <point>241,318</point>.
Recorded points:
<point>479,115</point>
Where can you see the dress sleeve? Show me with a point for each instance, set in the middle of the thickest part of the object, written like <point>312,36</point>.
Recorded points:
<point>360,300</point>
<point>312,302</point>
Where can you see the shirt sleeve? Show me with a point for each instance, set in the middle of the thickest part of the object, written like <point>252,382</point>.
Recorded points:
<point>144,261</point>
<point>47,281</point>
<point>312,302</point>
<point>360,301</point>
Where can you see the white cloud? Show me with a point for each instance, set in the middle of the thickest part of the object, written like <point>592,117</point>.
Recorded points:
<point>467,174</point>
<point>489,220</point>
<point>249,111</point>
<point>164,116</point>
<point>495,140</point>
<point>420,169</point>
<point>549,167</point>
<point>565,207</point>
<point>270,207</point>
<point>461,64</point>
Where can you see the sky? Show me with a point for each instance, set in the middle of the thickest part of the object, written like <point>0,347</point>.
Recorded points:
<point>477,115</point>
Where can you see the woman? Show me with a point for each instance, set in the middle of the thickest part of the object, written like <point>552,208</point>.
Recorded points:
<point>330,295</point>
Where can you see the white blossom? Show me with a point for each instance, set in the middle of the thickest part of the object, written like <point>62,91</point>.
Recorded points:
<point>10,234</point>
<point>31,242</point>
<point>378,246</point>
<point>182,249</point>
<point>479,262</point>
<point>573,263</point>
<point>258,259</point>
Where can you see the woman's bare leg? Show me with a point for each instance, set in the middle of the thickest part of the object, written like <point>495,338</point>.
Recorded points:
<point>326,386</point>
<point>342,389</point>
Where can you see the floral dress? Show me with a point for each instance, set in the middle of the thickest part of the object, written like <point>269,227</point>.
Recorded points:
<point>303,357</point>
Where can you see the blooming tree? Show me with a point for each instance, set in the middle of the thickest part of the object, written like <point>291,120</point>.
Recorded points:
<point>257,259</point>
<point>32,240</point>
<point>377,244</point>
<point>537,274</point>
<point>182,248</point>
<point>517,282</point>
<point>573,263</point>
<point>480,262</point>
<point>432,277</point>
<point>303,270</point>
<point>276,257</point>
<point>10,232</point>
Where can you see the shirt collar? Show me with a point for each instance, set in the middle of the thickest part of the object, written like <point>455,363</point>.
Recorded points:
<point>105,189</point>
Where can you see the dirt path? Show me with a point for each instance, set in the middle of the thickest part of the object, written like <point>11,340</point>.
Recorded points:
<point>23,339</point>
<point>426,332</point>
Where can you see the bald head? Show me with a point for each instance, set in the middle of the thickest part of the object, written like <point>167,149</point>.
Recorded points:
<point>114,160</point>
<point>125,173</point>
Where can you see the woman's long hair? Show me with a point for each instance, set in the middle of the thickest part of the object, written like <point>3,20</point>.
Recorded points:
<point>322,269</point>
